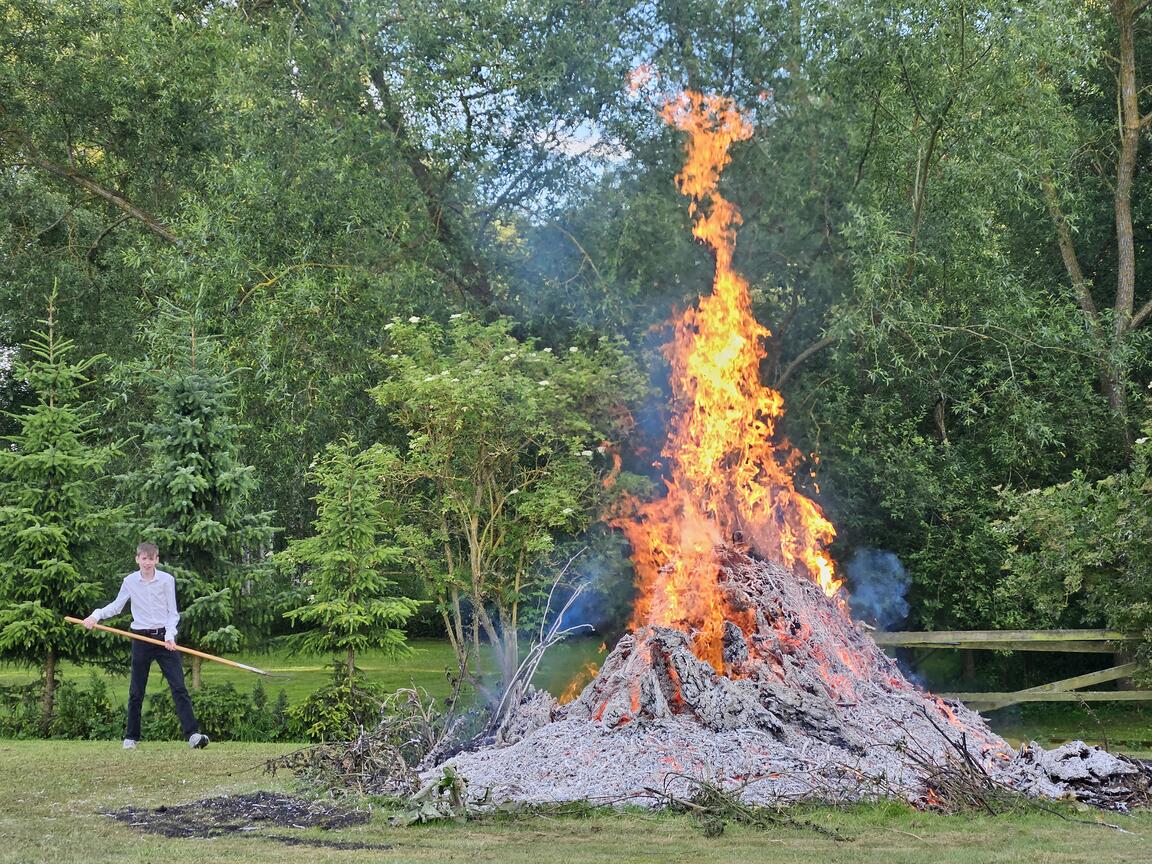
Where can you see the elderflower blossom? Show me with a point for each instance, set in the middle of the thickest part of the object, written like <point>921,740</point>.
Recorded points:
<point>573,350</point>
<point>514,491</point>
<point>547,350</point>
<point>415,319</point>
<point>587,454</point>
<point>544,383</point>
<point>455,315</point>
<point>429,377</point>
<point>567,511</point>
<point>1141,440</point>
<point>389,325</point>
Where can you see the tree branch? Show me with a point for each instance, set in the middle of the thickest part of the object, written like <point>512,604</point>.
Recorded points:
<point>114,198</point>
<point>91,253</point>
<point>1068,253</point>
<point>800,358</point>
<point>1140,316</point>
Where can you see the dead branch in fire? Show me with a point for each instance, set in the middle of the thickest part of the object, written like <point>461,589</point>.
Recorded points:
<point>549,635</point>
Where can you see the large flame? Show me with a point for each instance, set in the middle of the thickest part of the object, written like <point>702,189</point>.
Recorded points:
<point>729,472</point>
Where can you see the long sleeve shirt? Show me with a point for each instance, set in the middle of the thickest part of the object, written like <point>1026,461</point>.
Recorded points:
<point>153,603</point>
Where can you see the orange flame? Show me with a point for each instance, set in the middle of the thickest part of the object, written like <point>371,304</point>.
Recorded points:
<point>578,682</point>
<point>730,472</point>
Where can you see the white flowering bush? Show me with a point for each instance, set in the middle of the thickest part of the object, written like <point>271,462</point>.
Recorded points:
<point>505,456</point>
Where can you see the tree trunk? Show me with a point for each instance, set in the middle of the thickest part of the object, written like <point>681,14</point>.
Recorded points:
<point>196,681</point>
<point>48,699</point>
<point>351,663</point>
<point>1124,13</point>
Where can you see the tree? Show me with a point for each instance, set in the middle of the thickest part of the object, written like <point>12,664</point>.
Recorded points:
<point>1079,553</point>
<point>1102,166</point>
<point>508,449</point>
<point>55,520</point>
<point>197,497</point>
<point>343,567</point>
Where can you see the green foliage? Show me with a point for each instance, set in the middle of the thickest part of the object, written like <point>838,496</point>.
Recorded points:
<point>310,171</point>
<point>339,710</point>
<point>1079,553</point>
<point>343,568</point>
<point>87,713</point>
<point>224,714</point>
<point>197,497</point>
<point>55,518</point>
<point>79,713</point>
<point>507,447</point>
<point>21,710</point>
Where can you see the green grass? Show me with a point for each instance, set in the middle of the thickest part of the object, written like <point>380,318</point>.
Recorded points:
<point>53,795</point>
<point>300,675</point>
<point>1124,727</point>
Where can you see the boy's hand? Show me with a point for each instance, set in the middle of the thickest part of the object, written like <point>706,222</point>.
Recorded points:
<point>89,622</point>
<point>170,644</point>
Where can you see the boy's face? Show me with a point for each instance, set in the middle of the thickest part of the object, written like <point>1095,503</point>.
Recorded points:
<point>147,562</point>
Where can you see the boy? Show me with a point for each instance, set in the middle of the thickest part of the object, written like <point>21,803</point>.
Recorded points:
<point>152,593</point>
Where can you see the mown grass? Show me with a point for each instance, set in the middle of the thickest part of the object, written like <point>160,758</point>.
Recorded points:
<point>301,674</point>
<point>53,796</point>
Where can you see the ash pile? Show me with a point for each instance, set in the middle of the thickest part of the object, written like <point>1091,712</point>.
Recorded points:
<point>805,707</point>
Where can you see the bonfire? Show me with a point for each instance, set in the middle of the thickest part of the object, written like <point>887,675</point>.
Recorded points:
<point>744,669</point>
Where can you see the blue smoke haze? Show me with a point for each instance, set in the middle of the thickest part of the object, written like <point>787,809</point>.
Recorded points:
<point>877,583</point>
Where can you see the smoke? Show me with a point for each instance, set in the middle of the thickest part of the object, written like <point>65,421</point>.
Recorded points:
<point>878,583</point>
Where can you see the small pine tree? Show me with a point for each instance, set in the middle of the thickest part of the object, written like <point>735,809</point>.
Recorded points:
<point>350,604</point>
<point>197,497</point>
<point>55,518</point>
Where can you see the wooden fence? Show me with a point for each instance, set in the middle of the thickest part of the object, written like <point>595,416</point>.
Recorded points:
<point>1065,690</point>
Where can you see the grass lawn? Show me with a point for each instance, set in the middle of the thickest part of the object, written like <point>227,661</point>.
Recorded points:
<point>53,795</point>
<point>300,675</point>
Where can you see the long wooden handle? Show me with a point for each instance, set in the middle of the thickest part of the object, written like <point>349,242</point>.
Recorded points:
<point>159,642</point>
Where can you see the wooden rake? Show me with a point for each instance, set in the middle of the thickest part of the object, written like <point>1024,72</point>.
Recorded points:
<point>160,642</point>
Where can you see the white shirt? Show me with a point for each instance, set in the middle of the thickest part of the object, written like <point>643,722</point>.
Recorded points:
<point>153,603</point>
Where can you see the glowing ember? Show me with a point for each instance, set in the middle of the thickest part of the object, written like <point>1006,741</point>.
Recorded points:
<point>730,474</point>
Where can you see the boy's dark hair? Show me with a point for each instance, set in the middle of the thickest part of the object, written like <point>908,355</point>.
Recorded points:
<point>148,549</point>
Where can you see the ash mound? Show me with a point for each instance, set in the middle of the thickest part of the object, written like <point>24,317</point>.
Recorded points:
<point>805,707</point>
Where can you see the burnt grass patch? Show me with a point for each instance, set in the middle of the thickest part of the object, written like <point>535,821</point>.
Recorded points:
<point>249,815</point>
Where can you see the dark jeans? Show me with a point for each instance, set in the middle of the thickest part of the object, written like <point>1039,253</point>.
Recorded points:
<point>143,653</point>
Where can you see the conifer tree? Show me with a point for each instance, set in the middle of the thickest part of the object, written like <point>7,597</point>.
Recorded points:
<point>351,606</point>
<point>197,495</point>
<point>55,516</point>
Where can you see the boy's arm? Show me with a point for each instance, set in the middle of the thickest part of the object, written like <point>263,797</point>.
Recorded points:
<point>112,609</point>
<point>173,612</point>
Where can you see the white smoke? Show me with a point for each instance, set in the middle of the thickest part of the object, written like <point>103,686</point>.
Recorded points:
<point>877,583</point>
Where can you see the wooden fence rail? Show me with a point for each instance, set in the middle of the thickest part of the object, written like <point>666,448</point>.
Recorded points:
<point>1065,690</point>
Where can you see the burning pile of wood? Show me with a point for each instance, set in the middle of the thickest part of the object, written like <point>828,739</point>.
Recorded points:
<point>746,676</point>
<point>805,706</point>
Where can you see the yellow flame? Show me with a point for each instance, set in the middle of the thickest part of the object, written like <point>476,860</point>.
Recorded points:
<point>729,472</point>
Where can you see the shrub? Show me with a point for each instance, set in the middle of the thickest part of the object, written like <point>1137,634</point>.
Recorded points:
<point>223,712</point>
<point>337,711</point>
<point>85,714</point>
<point>20,710</point>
